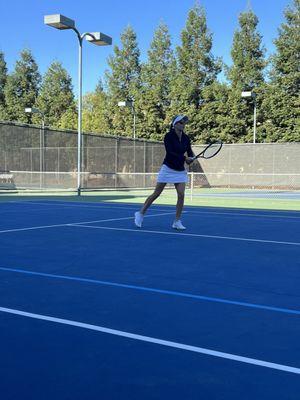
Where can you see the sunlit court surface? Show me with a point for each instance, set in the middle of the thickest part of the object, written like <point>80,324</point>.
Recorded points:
<point>93,307</point>
<point>150,200</point>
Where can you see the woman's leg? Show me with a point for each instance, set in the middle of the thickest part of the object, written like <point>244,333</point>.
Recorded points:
<point>180,188</point>
<point>157,191</point>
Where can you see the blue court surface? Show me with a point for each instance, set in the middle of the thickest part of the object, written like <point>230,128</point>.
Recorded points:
<point>93,308</point>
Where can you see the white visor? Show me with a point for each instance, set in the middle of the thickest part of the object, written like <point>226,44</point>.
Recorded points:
<point>179,118</point>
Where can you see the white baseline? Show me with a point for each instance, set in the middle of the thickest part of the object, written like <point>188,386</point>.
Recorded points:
<point>181,234</point>
<point>78,223</point>
<point>180,346</point>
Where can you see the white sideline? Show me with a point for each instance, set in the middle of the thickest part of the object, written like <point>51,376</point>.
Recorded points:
<point>180,346</point>
<point>57,204</point>
<point>188,208</point>
<point>189,235</point>
<point>78,223</point>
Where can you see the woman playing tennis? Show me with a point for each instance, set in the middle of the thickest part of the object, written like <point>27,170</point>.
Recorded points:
<point>177,144</point>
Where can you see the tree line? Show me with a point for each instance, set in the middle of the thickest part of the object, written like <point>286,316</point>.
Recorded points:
<point>172,81</point>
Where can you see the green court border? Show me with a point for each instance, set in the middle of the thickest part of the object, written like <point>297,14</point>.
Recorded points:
<point>167,198</point>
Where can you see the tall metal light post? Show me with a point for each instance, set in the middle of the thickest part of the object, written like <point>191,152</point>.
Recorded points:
<point>34,110</point>
<point>61,22</point>
<point>252,95</point>
<point>130,104</point>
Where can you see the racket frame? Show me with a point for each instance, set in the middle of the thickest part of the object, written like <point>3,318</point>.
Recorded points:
<point>201,154</point>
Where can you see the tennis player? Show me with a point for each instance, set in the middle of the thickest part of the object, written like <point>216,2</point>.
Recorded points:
<point>177,144</point>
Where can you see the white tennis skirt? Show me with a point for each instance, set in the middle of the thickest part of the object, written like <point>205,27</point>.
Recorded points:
<point>169,175</point>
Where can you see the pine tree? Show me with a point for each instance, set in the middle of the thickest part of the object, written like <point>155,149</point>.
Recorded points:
<point>95,118</point>
<point>154,96</point>
<point>56,98</point>
<point>213,122</point>
<point>22,88</point>
<point>3,79</point>
<point>247,54</point>
<point>246,73</point>
<point>123,81</point>
<point>197,67</point>
<point>282,105</point>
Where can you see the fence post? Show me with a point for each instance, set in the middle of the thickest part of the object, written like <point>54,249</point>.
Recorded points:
<point>116,161</point>
<point>192,184</point>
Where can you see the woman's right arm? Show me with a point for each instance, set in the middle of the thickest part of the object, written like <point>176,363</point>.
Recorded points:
<point>170,148</point>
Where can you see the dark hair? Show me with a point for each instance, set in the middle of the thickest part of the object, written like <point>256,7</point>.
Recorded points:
<point>171,129</point>
<point>182,118</point>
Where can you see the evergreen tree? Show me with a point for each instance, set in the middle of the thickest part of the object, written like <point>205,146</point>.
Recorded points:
<point>197,67</point>
<point>56,98</point>
<point>68,120</point>
<point>95,118</point>
<point>246,73</point>
<point>282,103</point>
<point>213,122</point>
<point>123,81</point>
<point>22,88</point>
<point>154,96</point>
<point>247,54</point>
<point>3,79</point>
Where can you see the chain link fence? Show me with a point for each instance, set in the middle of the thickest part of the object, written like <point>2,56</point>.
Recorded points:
<point>272,166</point>
<point>33,158</point>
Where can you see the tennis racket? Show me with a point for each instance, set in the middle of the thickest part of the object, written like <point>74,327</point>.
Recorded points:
<point>210,151</point>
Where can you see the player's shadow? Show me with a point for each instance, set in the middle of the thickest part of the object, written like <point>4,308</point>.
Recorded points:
<point>200,179</point>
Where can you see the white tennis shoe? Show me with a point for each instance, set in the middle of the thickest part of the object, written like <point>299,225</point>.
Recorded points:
<point>177,224</point>
<point>138,219</point>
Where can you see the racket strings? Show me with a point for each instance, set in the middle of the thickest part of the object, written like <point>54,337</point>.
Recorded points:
<point>212,150</point>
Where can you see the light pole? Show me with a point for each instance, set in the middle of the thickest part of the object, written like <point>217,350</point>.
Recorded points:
<point>252,95</point>
<point>61,22</point>
<point>130,104</point>
<point>34,110</point>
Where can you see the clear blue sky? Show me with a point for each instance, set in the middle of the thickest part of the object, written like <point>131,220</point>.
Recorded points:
<point>22,27</point>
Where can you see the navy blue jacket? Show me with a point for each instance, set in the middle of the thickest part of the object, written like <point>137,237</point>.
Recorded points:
<point>175,150</point>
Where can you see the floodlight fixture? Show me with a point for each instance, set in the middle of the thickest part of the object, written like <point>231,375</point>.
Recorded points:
<point>125,103</point>
<point>248,94</point>
<point>32,110</point>
<point>99,39</point>
<point>59,21</point>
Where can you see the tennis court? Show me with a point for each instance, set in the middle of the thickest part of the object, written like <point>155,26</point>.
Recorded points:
<point>92,307</point>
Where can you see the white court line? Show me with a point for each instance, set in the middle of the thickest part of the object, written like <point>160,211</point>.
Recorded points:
<point>78,223</point>
<point>189,210</point>
<point>190,235</point>
<point>180,346</point>
<point>245,214</point>
<point>79,205</point>
<point>33,228</point>
<point>120,219</point>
